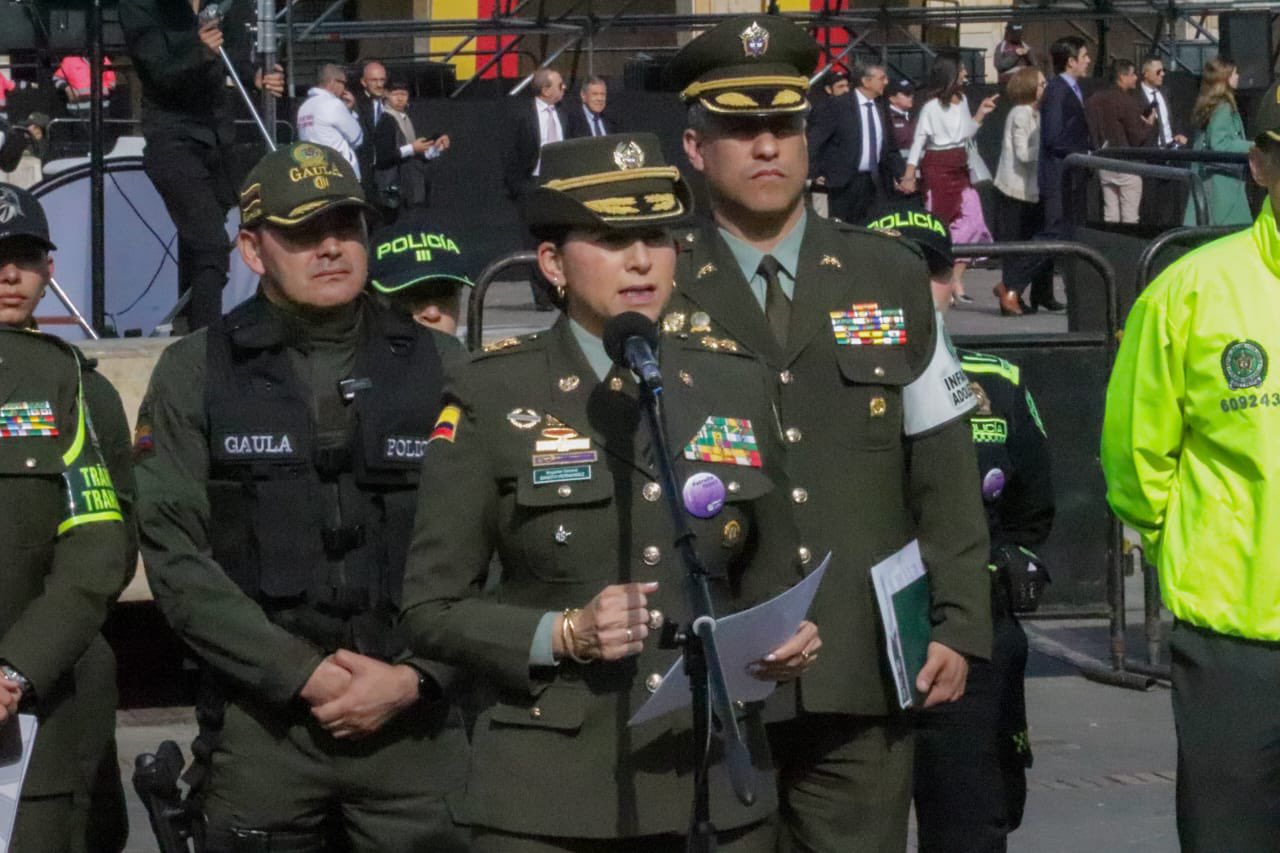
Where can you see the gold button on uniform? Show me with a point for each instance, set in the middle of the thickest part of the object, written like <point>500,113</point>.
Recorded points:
<point>564,491</point>
<point>569,383</point>
<point>651,491</point>
<point>535,712</point>
<point>804,554</point>
<point>794,435</point>
<point>686,378</point>
<point>786,377</point>
<point>879,372</point>
<point>615,384</point>
<point>656,620</point>
<point>653,682</point>
<point>31,462</point>
<point>734,487</point>
<point>799,495</point>
<point>651,555</point>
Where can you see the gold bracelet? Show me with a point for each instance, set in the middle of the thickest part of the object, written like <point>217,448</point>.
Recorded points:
<point>569,638</point>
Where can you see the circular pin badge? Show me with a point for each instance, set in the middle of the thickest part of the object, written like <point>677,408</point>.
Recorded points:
<point>992,484</point>
<point>703,495</point>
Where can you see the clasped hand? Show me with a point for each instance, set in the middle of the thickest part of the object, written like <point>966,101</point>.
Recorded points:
<point>352,696</point>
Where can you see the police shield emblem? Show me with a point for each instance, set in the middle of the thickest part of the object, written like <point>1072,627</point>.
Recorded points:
<point>755,40</point>
<point>1244,364</point>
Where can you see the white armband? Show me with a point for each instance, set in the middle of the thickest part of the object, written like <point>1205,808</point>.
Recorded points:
<point>940,394</point>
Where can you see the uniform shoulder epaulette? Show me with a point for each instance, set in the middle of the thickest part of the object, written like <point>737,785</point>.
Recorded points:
<point>892,235</point>
<point>979,362</point>
<point>507,345</point>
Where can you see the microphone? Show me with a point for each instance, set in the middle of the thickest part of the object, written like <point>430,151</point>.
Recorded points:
<point>630,339</point>
<point>210,14</point>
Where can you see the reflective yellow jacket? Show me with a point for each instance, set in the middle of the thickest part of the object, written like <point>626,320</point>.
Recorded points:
<point>1191,436</point>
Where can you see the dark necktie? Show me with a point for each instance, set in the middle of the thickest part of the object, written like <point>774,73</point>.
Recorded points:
<point>599,125</point>
<point>777,305</point>
<point>875,141</point>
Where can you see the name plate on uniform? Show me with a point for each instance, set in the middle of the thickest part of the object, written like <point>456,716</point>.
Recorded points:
<point>256,446</point>
<point>403,448</point>
<point>548,476</point>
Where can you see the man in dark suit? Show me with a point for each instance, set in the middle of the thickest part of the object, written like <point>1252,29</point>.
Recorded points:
<point>402,175</point>
<point>535,125</point>
<point>589,118</point>
<point>369,110</point>
<point>1163,201</point>
<point>851,149</point>
<point>1063,131</point>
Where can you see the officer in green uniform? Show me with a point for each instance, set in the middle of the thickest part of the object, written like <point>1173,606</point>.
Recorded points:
<point>873,407</point>
<point>972,754</point>
<point>63,543</point>
<point>278,465</point>
<point>25,270</point>
<point>549,465</point>
<point>421,270</point>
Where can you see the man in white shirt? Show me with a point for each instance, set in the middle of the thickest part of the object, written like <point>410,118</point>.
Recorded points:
<point>1154,103</point>
<point>325,117</point>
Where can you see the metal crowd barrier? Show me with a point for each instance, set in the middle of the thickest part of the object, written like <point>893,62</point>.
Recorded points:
<point>1199,199</point>
<point>475,306</point>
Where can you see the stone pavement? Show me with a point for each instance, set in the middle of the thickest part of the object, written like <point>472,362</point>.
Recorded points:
<point>1103,778</point>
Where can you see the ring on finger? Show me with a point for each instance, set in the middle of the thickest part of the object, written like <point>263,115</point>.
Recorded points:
<point>630,636</point>
<point>804,655</point>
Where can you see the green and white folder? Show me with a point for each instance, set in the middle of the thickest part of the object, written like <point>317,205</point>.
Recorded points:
<point>902,593</point>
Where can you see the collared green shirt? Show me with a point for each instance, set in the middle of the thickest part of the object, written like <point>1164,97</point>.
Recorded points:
<point>787,253</point>
<point>593,348</point>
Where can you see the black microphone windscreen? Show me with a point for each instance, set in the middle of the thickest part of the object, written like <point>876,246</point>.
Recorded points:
<point>627,325</point>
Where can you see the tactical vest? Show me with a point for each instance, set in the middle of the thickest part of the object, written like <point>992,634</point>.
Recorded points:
<point>284,512</point>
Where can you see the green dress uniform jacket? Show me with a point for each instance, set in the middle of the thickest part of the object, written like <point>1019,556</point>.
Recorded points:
<point>63,550</point>
<point>869,471</point>
<point>553,755</point>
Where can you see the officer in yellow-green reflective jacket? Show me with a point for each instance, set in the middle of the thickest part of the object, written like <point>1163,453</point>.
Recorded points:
<point>1191,452</point>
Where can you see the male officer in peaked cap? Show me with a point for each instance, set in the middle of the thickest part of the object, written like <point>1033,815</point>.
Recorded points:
<point>278,468</point>
<point>1189,451</point>
<point>872,405</point>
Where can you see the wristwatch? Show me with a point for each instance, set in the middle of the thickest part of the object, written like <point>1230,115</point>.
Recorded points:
<point>18,678</point>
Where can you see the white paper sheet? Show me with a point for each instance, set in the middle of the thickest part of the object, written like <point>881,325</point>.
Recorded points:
<point>742,639</point>
<point>16,742</point>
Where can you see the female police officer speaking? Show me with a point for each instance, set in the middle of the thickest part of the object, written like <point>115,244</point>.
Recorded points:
<point>550,466</point>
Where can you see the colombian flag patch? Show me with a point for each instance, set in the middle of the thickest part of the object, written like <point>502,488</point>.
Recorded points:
<point>447,425</point>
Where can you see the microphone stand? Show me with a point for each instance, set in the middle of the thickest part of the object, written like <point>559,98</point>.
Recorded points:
<point>702,661</point>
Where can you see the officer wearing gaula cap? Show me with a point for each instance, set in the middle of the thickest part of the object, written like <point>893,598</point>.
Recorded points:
<point>278,464</point>
<point>972,754</point>
<point>1189,451</point>
<point>873,407</point>
<point>64,546</point>
<point>549,466</point>
<point>422,270</point>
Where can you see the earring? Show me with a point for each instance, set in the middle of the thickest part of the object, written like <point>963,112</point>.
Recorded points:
<point>559,291</point>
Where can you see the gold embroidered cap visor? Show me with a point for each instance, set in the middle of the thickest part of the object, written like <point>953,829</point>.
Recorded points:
<point>297,182</point>
<point>619,181</point>
<point>748,65</point>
